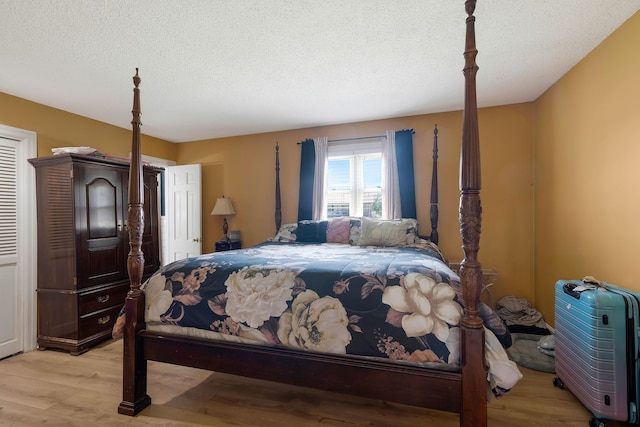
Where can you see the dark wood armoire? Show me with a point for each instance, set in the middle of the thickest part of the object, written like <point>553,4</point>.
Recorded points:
<point>83,244</point>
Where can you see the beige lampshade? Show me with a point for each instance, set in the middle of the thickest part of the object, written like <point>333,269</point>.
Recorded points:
<point>223,207</point>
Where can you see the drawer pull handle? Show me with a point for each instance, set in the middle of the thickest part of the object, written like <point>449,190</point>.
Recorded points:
<point>103,298</point>
<point>104,320</point>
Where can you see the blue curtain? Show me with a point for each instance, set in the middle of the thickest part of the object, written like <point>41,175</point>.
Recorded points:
<point>406,182</point>
<point>307,169</point>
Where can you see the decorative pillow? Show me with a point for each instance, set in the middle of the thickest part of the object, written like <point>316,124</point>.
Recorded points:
<point>355,227</point>
<point>382,233</point>
<point>338,230</point>
<point>312,231</point>
<point>286,233</point>
<point>412,229</point>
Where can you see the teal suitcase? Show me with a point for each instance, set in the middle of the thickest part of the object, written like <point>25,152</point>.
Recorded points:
<point>596,348</point>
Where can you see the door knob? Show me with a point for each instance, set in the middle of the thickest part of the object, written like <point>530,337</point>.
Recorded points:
<point>197,239</point>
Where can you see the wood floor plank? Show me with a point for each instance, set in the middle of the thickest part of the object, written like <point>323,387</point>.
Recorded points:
<point>31,392</point>
<point>54,388</point>
<point>16,415</point>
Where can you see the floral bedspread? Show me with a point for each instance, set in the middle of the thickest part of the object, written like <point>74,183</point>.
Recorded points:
<point>396,303</point>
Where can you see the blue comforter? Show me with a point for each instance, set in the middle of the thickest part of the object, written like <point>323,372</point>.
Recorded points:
<point>396,303</point>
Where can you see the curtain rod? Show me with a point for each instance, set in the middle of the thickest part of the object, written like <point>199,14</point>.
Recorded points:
<point>353,139</point>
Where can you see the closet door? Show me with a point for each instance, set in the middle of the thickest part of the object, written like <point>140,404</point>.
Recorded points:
<point>100,224</point>
<point>11,326</point>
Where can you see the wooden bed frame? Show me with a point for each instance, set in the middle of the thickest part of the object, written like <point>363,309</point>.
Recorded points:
<point>463,392</point>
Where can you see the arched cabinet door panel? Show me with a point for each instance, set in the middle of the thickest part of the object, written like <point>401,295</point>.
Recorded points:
<point>99,210</point>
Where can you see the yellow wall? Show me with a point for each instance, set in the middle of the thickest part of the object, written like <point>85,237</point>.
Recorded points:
<point>242,168</point>
<point>587,160</point>
<point>57,128</point>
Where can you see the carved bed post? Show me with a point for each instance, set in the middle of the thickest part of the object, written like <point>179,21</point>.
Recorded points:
<point>278,202</point>
<point>134,379</point>
<point>474,404</point>
<point>434,190</point>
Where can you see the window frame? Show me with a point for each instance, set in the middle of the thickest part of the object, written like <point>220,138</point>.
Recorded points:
<point>356,153</point>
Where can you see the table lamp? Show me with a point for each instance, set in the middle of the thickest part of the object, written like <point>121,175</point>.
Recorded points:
<point>223,207</point>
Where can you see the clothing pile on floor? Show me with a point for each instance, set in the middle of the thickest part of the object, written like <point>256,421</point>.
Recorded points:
<point>533,343</point>
<point>520,316</point>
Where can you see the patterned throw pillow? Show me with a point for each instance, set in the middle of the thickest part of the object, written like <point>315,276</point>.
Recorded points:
<point>286,233</point>
<point>355,228</point>
<point>412,229</point>
<point>339,230</point>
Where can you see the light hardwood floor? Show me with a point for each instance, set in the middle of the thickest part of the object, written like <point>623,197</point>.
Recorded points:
<point>56,389</point>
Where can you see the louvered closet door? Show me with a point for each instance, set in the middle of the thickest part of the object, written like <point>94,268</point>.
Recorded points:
<point>9,337</point>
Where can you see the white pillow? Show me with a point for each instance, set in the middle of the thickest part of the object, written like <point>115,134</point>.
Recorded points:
<point>382,233</point>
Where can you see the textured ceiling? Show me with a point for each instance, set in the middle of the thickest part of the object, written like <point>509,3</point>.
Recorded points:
<point>231,67</point>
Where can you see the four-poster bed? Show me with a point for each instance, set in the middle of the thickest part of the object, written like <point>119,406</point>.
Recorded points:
<point>462,390</point>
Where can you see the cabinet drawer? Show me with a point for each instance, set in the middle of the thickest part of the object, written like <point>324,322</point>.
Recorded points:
<point>99,321</point>
<point>103,298</point>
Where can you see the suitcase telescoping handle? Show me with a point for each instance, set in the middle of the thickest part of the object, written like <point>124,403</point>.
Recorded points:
<point>568,288</point>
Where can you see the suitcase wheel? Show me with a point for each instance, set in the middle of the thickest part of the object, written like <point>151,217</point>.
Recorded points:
<point>558,383</point>
<point>594,422</point>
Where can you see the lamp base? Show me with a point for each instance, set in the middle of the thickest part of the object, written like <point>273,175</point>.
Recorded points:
<point>225,227</point>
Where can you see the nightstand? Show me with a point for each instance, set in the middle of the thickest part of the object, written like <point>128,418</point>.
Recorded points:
<point>489,278</point>
<point>228,245</point>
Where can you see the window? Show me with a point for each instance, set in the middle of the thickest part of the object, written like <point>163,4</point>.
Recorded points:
<point>354,181</point>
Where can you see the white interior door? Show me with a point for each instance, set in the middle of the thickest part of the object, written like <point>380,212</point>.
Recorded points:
<point>184,211</point>
<point>17,241</point>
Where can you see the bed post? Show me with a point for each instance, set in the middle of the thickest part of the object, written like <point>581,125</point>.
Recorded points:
<point>278,202</point>
<point>434,189</point>
<point>134,375</point>
<point>474,404</point>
